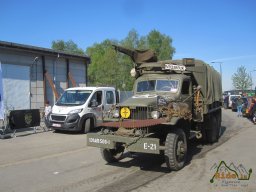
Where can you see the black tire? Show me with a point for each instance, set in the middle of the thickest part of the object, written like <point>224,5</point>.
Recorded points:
<point>212,129</point>
<point>87,126</point>
<point>112,155</point>
<point>176,150</point>
<point>219,132</point>
<point>254,117</point>
<point>56,131</point>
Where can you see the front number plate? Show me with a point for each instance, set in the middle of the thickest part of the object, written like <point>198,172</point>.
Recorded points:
<point>56,125</point>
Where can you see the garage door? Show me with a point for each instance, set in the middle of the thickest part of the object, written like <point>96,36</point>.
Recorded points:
<point>16,86</point>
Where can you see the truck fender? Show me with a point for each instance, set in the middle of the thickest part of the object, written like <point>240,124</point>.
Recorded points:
<point>87,116</point>
<point>174,120</point>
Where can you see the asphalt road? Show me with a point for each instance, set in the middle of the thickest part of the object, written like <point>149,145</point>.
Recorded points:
<point>56,162</point>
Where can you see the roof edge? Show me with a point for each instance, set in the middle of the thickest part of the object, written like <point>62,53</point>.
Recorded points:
<point>41,49</point>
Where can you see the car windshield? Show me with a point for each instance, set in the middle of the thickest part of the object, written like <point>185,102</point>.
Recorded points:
<point>74,97</point>
<point>158,85</point>
<point>233,97</point>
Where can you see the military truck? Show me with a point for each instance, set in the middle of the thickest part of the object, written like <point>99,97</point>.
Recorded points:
<point>173,101</point>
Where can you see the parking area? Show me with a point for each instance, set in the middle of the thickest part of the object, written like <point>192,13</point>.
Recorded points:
<point>55,162</point>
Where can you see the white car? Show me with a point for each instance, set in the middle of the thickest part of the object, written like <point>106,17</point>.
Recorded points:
<point>230,100</point>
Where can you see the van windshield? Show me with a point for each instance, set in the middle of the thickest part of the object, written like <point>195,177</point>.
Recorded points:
<point>74,97</point>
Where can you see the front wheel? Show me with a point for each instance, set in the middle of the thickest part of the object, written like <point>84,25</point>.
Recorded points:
<point>112,155</point>
<point>176,150</point>
<point>87,126</point>
<point>213,129</point>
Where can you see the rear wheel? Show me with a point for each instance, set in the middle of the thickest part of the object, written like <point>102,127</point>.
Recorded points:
<point>218,125</point>
<point>176,150</point>
<point>212,131</point>
<point>112,155</point>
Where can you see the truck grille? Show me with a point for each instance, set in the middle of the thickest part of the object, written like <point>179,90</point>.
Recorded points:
<point>141,113</point>
<point>58,118</point>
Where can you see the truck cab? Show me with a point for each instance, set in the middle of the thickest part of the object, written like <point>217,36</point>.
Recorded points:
<point>82,108</point>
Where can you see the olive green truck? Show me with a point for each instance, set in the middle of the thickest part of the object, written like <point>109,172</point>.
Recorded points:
<point>173,101</point>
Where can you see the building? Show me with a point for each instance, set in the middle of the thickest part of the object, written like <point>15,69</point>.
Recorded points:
<point>33,75</point>
<point>240,92</point>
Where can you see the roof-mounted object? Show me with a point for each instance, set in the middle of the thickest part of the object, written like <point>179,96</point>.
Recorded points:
<point>138,56</point>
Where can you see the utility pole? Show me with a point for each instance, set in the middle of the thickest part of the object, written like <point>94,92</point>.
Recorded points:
<point>220,67</point>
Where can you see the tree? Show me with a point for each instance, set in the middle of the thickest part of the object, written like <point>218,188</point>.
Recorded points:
<point>242,80</point>
<point>161,44</point>
<point>109,67</point>
<point>104,69</point>
<point>68,46</point>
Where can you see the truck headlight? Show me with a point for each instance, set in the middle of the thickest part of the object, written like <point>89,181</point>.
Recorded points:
<point>155,114</point>
<point>116,113</point>
<point>75,111</point>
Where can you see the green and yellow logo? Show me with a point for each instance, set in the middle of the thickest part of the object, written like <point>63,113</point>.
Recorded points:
<point>231,172</point>
<point>28,118</point>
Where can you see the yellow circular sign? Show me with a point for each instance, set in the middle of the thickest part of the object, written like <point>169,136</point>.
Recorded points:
<point>125,112</point>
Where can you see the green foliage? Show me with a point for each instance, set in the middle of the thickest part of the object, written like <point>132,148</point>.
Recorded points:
<point>104,69</point>
<point>68,46</point>
<point>161,44</point>
<point>112,68</point>
<point>242,80</point>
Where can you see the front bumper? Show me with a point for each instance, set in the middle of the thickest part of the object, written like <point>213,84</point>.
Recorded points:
<point>133,144</point>
<point>70,123</point>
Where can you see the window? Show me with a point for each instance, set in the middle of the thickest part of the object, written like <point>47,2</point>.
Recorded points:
<point>185,88</point>
<point>146,86</point>
<point>110,97</point>
<point>158,85</point>
<point>74,97</point>
<point>167,85</point>
<point>96,99</point>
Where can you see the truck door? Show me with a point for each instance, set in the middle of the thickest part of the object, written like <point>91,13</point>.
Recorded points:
<point>186,91</point>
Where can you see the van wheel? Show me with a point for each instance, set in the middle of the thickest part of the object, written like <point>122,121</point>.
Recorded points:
<point>176,150</point>
<point>112,155</point>
<point>87,126</point>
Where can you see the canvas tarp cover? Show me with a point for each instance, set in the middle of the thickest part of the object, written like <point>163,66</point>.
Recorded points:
<point>210,81</point>
<point>138,56</point>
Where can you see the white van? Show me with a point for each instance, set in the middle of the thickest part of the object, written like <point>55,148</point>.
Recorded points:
<point>82,108</point>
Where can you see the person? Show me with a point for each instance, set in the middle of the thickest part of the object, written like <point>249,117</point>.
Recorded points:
<point>47,110</point>
<point>239,104</point>
<point>226,101</point>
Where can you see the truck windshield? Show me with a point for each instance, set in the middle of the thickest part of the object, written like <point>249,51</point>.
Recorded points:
<point>74,97</point>
<point>158,85</point>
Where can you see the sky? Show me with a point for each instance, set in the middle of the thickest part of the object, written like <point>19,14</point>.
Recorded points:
<point>220,31</point>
